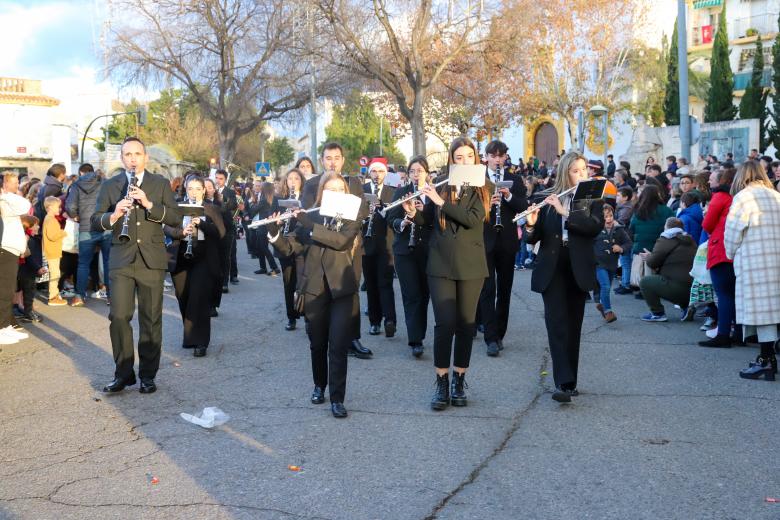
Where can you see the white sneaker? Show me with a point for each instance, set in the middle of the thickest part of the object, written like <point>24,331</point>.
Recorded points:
<point>67,293</point>
<point>6,339</point>
<point>712,333</point>
<point>13,333</point>
<point>100,294</point>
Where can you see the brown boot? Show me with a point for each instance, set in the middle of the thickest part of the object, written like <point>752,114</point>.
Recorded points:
<point>609,316</point>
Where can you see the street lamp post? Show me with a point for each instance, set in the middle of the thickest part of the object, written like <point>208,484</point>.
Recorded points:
<point>602,111</point>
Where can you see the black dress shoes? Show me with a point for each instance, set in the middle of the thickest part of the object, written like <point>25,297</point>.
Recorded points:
<point>261,271</point>
<point>234,281</point>
<point>338,410</point>
<point>563,396</point>
<point>374,330</point>
<point>417,350</point>
<point>492,349</point>
<point>148,386</point>
<point>717,342</point>
<point>357,350</point>
<point>213,313</point>
<point>318,395</point>
<point>389,329</point>
<point>225,289</point>
<point>500,344</point>
<point>290,325</point>
<point>199,351</point>
<point>457,390</point>
<point>117,385</point>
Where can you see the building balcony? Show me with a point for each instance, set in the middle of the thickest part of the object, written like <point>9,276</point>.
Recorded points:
<point>742,79</point>
<point>763,24</point>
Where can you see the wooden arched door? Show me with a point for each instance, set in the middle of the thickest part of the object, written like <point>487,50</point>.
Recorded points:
<point>546,143</point>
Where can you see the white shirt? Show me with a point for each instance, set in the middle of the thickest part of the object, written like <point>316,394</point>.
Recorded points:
<point>139,177</point>
<point>498,176</point>
<point>12,206</point>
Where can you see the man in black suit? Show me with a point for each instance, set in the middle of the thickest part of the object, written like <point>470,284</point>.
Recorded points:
<point>501,245</point>
<point>227,246</point>
<point>377,258</point>
<point>137,262</point>
<point>332,159</point>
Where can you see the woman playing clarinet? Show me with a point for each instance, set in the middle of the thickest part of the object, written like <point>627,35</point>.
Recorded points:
<point>566,268</point>
<point>456,271</point>
<point>328,287</point>
<point>195,268</point>
<point>410,249</point>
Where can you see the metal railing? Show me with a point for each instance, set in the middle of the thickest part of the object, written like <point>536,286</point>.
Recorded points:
<point>765,23</point>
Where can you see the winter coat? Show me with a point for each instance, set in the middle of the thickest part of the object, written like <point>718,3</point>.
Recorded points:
<point>602,246</point>
<point>34,261</point>
<point>623,213</point>
<point>692,217</point>
<point>51,188</point>
<point>81,200</point>
<point>646,232</point>
<point>672,255</point>
<point>714,223</point>
<point>53,236</point>
<point>752,240</point>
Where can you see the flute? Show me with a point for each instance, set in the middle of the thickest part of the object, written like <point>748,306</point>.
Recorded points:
<point>540,205</point>
<point>409,197</point>
<point>281,218</point>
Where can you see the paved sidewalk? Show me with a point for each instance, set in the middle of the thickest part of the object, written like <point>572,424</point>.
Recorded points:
<point>663,428</point>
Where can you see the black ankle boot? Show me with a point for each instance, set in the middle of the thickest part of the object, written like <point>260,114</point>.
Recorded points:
<point>765,366</point>
<point>458,394</point>
<point>441,396</point>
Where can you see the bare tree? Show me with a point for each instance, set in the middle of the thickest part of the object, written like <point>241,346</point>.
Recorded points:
<point>405,47</point>
<point>240,59</point>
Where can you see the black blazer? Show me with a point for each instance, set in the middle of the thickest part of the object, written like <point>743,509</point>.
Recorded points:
<point>457,252</point>
<point>507,237</point>
<point>145,226</point>
<point>327,256</point>
<point>422,229</point>
<point>228,208</point>
<point>203,250</point>
<point>583,226</point>
<point>381,237</point>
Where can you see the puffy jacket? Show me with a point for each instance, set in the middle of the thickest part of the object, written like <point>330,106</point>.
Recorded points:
<point>646,232</point>
<point>602,246</point>
<point>51,188</point>
<point>82,198</point>
<point>672,256</point>
<point>714,223</point>
<point>692,217</point>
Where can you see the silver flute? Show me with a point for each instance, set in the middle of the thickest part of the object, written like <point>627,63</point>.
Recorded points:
<point>409,197</point>
<point>541,205</point>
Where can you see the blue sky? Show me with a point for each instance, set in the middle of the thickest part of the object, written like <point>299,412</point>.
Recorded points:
<point>49,39</point>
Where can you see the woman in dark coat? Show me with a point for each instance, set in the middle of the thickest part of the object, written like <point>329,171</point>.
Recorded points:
<point>566,268</point>
<point>195,277</point>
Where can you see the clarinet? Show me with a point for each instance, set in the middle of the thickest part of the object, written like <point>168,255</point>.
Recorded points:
<point>498,226</point>
<point>371,210</point>
<point>412,237</point>
<point>124,235</point>
<point>188,251</point>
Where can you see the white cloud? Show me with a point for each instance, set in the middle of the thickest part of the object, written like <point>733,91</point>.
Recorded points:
<point>21,26</point>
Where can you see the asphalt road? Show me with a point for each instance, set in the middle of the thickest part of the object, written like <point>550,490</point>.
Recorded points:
<point>662,429</point>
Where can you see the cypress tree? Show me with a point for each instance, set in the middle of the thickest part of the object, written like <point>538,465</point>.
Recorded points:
<point>672,97</point>
<point>720,106</point>
<point>774,132</point>
<point>753,103</point>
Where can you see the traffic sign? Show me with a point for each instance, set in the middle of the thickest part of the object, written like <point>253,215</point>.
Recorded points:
<point>363,170</point>
<point>262,169</point>
<point>364,161</point>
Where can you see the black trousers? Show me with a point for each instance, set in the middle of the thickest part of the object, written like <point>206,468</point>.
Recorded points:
<point>496,294</point>
<point>378,272</point>
<point>564,308</point>
<point>414,293</point>
<point>27,286</point>
<point>227,252</point>
<point>357,266</point>
<point>194,288</point>
<point>127,282</point>
<point>233,261</point>
<point>262,249</point>
<point>9,265</point>
<point>289,281</point>
<point>329,340</point>
<point>454,309</point>
<point>250,235</point>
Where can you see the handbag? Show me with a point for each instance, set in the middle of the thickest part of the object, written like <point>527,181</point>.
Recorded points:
<point>699,270</point>
<point>638,269</point>
<point>70,244</point>
<point>298,302</point>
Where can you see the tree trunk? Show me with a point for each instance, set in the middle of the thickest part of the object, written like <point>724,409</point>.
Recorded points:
<point>227,146</point>
<point>418,133</point>
<point>571,128</point>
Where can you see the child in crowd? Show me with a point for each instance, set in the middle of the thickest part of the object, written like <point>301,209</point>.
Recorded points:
<point>691,215</point>
<point>53,235</point>
<point>608,246</point>
<point>623,213</point>
<point>30,268</point>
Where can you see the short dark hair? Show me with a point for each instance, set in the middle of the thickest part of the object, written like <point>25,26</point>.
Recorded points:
<point>654,167</point>
<point>687,176</point>
<point>626,165</point>
<point>672,158</point>
<point>221,172</point>
<point>627,192</point>
<point>610,156</point>
<point>86,168</point>
<point>731,155</point>
<point>133,139</point>
<point>306,158</point>
<point>331,146</point>
<point>56,170</point>
<point>421,160</point>
<point>496,147</point>
<point>673,222</point>
<point>689,199</point>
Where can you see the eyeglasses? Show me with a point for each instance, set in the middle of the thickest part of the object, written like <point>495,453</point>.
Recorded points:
<point>417,171</point>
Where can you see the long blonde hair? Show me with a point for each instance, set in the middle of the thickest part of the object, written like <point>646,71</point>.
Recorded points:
<point>562,181</point>
<point>748,173</point>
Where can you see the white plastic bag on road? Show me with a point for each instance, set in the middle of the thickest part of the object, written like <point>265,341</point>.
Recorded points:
<point>208,418</point>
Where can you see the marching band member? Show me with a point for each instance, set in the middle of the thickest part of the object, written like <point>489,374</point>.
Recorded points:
<point>292,186</point>
<point>410,248</point>
<point>195,266</point>
<point>377,260</point>
<point>328,289</point>
<point>456,271</point>
<point>500,247</point>
<point>266,205</point>
<point>566,268</point>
